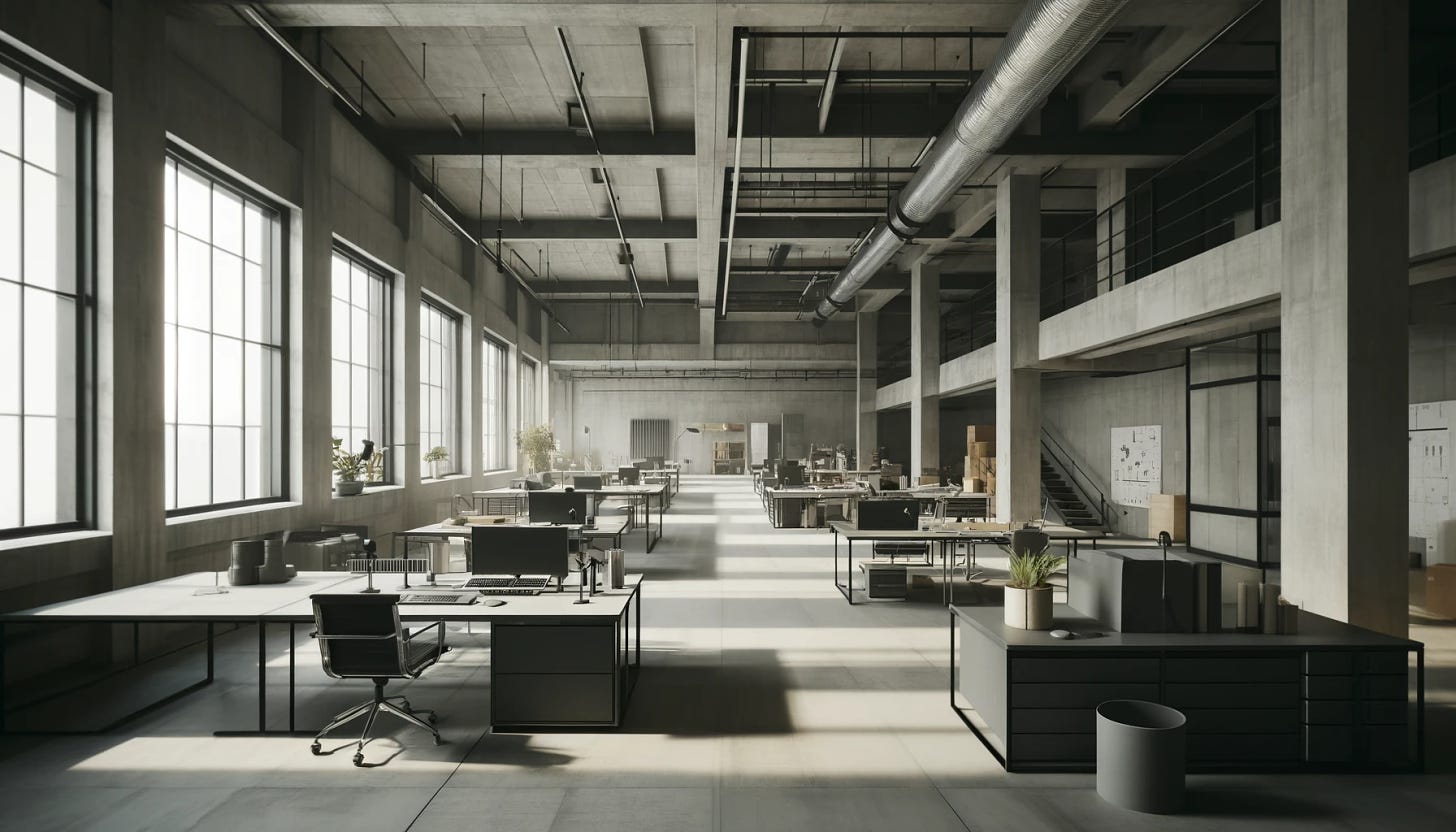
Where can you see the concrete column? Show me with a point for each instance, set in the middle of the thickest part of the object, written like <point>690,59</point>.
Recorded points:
<point>866,433</point>
<point>308,110</point>
<point>924,370</point>
<point>1018,331</point>
<point>707,333</point>
<point>1111,229</point>
<point>1345,298</point>
<point>131,465</point>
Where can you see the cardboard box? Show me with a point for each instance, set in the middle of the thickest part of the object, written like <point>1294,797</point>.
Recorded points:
<point>980,433</point>
<point>1168,513</point>
<point>981,450</point>
<point>930,479</point>
<point>1441,590</point>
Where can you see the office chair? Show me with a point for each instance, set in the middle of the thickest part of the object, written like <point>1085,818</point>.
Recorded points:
<point>361,637</point>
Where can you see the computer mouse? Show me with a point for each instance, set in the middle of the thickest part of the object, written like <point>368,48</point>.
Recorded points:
<point>491,602</point>
<point>1062,634</point>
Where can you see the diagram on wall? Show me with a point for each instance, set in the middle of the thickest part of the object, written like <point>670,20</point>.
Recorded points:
<point>1430,483</point>
<point>1137,464</point>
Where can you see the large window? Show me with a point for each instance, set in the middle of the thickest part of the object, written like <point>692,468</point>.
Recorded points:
<point>224,343</point>
<point>528,393</point>
<point>361,353</point>
<point>439,388</point>
<point>44,311</point>
<point>493,402</point>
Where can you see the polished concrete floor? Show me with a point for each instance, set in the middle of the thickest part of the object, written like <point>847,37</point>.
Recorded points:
<point>766,703</point>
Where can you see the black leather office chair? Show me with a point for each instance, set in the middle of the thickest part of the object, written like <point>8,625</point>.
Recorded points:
<point>361,637</point>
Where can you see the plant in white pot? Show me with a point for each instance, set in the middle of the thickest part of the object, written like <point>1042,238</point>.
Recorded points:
<point>433,458</point>
<point>1028,594</point>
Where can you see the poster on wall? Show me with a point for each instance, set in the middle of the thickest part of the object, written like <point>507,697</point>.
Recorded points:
<point>1137,464</point>
<point>1428,441</point>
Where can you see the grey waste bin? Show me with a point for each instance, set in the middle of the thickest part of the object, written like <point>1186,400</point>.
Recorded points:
<point>1141,756</point>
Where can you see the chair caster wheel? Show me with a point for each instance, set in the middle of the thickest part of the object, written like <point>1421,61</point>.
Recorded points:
<point>439,741</point>
<point>316,748</point>
<point>404,703</point>
<point>359,759</point>
<point>432,719</point>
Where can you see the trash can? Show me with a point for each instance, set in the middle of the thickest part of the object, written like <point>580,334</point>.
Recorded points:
<point>1141,756</point>
<point>617,567</point>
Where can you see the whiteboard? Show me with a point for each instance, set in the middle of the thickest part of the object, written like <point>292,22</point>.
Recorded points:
<point>1137,464</point>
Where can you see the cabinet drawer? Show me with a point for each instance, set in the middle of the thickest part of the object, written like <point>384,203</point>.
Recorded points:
<point>552,699</point>
<point>1078,695</point>
<point>1392,662</point>
<point>1335,712</point>
<point>1244,669</point>
<point>1069,669</point>
<point>1383,687</point>
<point>1329,687</point>
<point>1242,720</point>
<point>1061,748</point>
<point>1329,744</point>
<point>1234,696</point>
<point>536,648</point>
<point>1328,663</point>
<point>1054,721</point>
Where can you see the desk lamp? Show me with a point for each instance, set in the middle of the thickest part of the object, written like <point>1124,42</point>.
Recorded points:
<point>1164,540</point>
<point>369,549</point>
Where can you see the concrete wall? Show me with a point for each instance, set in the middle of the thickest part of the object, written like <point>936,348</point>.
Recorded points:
<point>231,96</point>
<point>608,405</point>
<point>1081,412</point>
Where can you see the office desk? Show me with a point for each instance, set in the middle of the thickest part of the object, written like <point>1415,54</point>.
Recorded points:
<point>673,477</point>
<point>566,686</point>
<point>773,499</point>
<point>611,529</point>
<point>634,494</point>
<point>851,534</point>
<point>1331,698</point>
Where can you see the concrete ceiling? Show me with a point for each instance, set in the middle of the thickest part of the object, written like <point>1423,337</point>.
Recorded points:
<point>840,101</point>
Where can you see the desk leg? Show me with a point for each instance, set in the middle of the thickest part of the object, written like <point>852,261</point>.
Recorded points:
<point>849,570</point>
<point>293,675</point>
<point>211,662</point>
<point>262,676</point>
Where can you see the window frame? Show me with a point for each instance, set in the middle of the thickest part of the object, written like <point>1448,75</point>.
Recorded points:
<point>457,462</point>
<point>282,393</point>
<point>533,401</point>
<point>84,103</point>
<point>357,257</point>
<point>503,388</point>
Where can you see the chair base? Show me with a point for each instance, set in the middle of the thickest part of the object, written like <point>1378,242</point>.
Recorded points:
<point>371,710</point>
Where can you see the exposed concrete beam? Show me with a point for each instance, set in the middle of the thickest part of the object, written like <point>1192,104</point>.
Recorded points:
<point>599,229</point>
<point>816,230</point>
<point>543,143</point>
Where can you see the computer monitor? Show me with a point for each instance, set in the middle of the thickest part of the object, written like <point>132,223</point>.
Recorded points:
<point>628,474</point>
<point>889,515</point>
<point>791,473</point>
<point>656,463</point>
<point>586,482</point>
<point>556,507</point>
<point>520,550</point>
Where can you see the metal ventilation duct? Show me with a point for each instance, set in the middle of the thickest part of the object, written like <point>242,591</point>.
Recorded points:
<point>1049,38</point>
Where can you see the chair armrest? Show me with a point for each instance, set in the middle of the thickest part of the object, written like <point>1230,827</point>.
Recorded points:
<point>438,626</point>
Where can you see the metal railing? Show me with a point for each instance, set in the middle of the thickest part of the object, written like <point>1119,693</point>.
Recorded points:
<point>1432,117</point>
<point>1224,189</point>
<point>1082,482</point>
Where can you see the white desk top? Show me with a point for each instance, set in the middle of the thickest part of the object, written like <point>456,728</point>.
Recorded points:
<point>934,530</point>
<point>826,492</point>
<point>605,491</point>
<point>172,600</point>
<point>605,526</point>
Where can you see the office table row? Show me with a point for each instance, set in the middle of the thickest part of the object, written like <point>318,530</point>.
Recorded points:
<point>554,662</point>
<point>786,506</point>
<point>514,501</point>
<point>941,536</point>
<point>671,477</point>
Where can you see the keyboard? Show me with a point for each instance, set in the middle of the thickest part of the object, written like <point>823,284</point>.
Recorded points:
<point>458,598</point>
<point>531,583</point>
<point>483,583</point>
<point>511,590</point>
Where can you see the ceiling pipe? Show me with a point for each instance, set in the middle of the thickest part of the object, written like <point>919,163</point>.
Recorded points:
<point>606,177</point>
<point>251,15</point>
<point>737,171</point>
<point>1048,39</point>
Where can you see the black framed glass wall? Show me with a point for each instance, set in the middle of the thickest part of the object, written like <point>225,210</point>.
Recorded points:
<point>225,342</point>
<point>494,403</point>
<point>46,301</point>
<point>439,388</point>
<point>362,369</point>
<point>1233,449</point>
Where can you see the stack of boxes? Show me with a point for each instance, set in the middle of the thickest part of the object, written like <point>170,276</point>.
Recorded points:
<point>980,475</point>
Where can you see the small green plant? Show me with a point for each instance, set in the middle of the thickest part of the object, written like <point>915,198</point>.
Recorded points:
<point>436,454</point>
<point>349,466</point>
<point>1030,570</point>
<point>536,443</point>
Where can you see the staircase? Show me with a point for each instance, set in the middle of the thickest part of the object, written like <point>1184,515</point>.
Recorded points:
<point>1065,500</point>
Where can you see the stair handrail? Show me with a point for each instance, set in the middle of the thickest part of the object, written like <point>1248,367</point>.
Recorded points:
<point>1068,463</point>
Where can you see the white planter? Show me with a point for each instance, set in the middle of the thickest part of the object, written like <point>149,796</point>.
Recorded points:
<point>1029,609</point>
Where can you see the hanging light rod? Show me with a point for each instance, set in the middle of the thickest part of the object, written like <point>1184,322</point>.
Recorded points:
<point>737,166</point>
<point>626,254</point>
<point>252,16</point>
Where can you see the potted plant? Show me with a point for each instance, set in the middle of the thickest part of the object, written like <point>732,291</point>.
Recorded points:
<point>434,457</point>
<point>536,444</point>
<point>349,467</point>
<point>1028,595</point>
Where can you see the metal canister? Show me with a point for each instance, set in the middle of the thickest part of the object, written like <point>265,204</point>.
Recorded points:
<point>617,567</point>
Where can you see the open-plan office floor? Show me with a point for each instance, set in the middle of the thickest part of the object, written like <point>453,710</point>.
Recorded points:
<point>766,702</point>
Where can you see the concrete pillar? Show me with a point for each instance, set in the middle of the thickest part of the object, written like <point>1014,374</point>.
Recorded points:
<point>1111,229</point>
<point>924,370</point>
<point>1018,331</point>
<point>131,464</point>
<point>707,333</point>
<point>866,433</point>
<point>307,125</point>
<point>1344,308</point>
